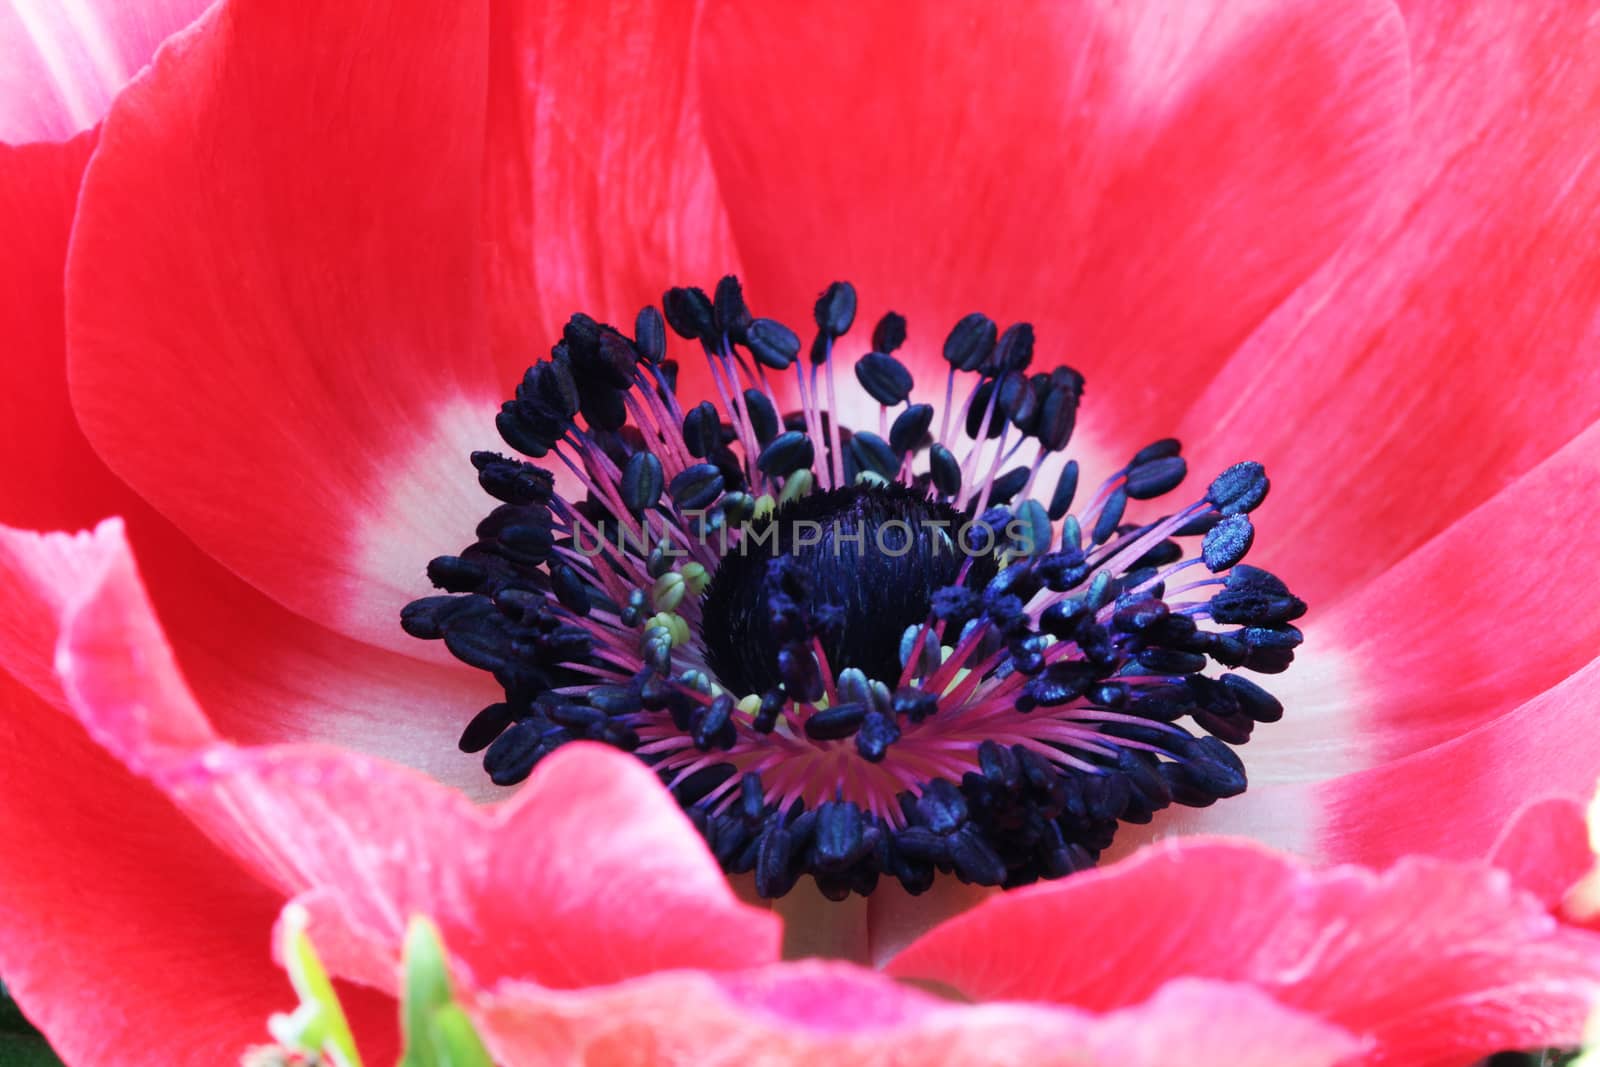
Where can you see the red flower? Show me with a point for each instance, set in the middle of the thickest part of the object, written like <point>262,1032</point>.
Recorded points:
<point>311,247</point>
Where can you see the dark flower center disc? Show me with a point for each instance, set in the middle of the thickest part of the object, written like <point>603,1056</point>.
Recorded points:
<point>870,557</point>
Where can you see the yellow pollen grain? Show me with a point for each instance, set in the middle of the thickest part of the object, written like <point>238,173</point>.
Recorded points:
<point>677,627</point>
<point>695,578</point>
<point>668,592</point>
<point>796,486</point>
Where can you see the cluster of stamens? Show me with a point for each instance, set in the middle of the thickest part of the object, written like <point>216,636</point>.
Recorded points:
<point>857,654</point>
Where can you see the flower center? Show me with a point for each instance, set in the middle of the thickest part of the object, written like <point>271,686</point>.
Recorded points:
<point>857,655</point>
<point>869,558</point>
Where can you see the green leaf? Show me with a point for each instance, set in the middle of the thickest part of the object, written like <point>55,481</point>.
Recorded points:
<point>21,1045</point>
<point>26,1050</point>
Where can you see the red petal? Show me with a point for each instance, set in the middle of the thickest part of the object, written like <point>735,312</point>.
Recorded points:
<point>1545,848</point>
<point>589,874</point>
<point>265,675</point>
<point>49,475</point>
<point>275,325</point>
<point>896,918</point>
<point>107,881</point>
<point>249,659</point>
<point>1437,963</point>
<point>101,878</point>
<point>206,979</point>
<point>1492,777</point>
<point>598,189</point>
<point>1438,645</point>
<point>814,1012</point>
<point>1144,187</point>
<point>1451,348</point>
<point>1547,745</point>
<point>65,61</point>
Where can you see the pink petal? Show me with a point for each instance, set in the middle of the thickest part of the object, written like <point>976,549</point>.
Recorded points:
<point>1451,348</point>
<point>66,59</point>
<point>1437,963</point>
<point>275,318</point>
<point>589,874</point>
<point>598,190</point>
<point>1097,169</point>
<point>814,1012</point>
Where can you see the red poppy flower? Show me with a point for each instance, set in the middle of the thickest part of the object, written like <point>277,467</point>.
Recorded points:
<point>305,252</point>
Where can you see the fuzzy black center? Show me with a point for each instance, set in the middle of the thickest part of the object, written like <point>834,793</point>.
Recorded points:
<point>869,558</point>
